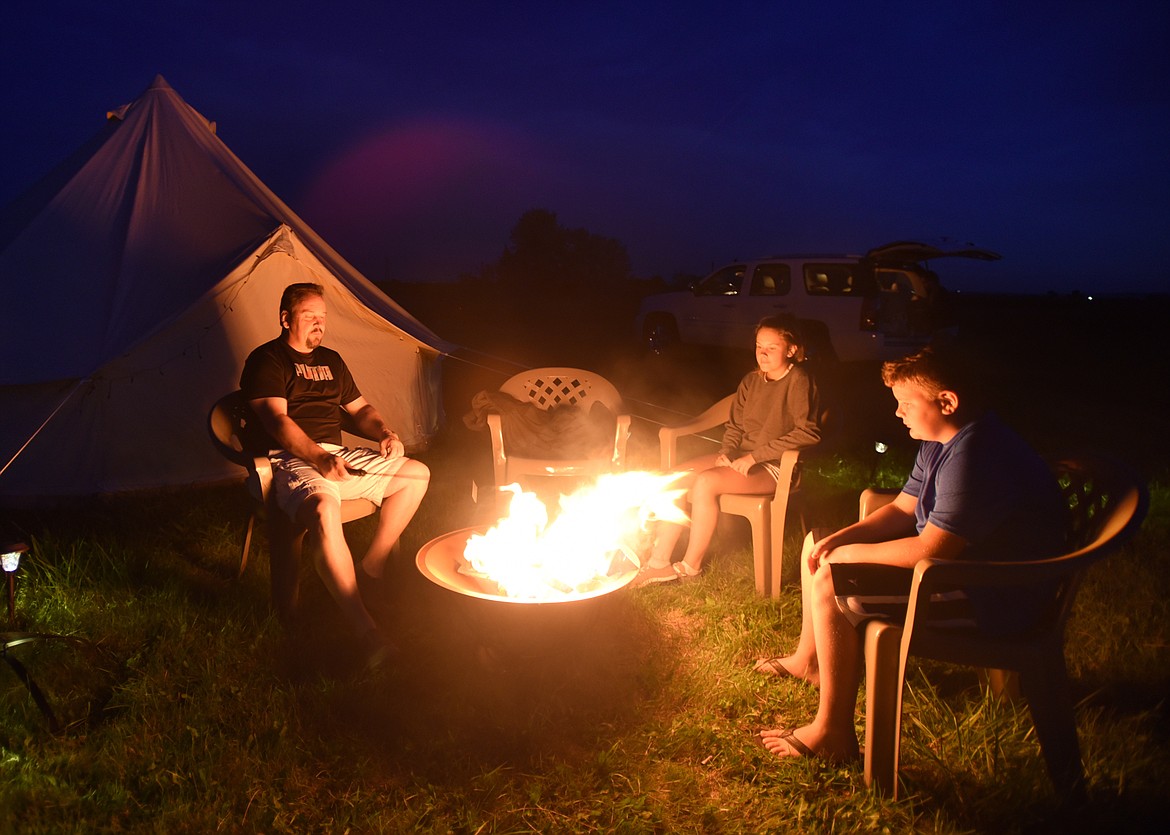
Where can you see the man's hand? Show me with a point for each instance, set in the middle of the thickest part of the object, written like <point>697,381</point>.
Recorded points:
<point>391,445</point>
<point>330,466</point>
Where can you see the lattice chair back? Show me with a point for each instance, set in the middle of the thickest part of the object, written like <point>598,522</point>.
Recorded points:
<point>552,387</point>
<point>549,388</point>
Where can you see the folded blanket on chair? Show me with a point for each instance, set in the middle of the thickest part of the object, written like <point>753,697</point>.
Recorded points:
<point>562,432</point>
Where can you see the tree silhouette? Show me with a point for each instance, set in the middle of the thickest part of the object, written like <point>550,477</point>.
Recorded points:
<point>545,255</point>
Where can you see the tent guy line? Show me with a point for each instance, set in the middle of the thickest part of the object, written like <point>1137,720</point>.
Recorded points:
<point>44,423</point>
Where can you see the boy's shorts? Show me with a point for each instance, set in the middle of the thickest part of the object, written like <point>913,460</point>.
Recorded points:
<point>295,479</point>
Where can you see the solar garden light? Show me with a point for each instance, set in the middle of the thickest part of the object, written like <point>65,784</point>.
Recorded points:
<point>11,560</point>
<point>880,448</point>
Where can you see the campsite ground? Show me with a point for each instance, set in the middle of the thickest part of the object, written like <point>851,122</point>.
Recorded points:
<point>199,713</point>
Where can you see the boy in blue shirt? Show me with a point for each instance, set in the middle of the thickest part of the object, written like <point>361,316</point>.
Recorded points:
<point>977,491</point>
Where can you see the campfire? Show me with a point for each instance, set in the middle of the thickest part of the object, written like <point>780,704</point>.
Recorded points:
<point>589,548</point>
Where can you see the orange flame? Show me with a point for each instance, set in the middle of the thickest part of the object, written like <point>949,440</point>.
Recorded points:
<point>596,536</point>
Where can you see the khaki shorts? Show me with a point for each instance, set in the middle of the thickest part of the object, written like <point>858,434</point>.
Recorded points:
<point>295,479</point>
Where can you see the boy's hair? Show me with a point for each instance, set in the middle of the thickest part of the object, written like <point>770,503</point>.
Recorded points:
<point>789,328</point>
<point>294,294</point>
<point>937,367</point>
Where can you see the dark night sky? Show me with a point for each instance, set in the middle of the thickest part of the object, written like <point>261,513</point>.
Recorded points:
<point>694,133</point>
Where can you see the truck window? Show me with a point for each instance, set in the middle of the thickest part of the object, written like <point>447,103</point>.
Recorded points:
<point>770,280</point>
<point>838,280</point>
<point>724,282</point>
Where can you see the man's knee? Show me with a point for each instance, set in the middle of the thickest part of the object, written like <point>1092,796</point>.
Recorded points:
<point>412,477</point>
<point>420,472</point>
<point>319,511</point>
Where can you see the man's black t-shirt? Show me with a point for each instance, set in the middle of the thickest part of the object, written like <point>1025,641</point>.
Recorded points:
<point>316,385</point>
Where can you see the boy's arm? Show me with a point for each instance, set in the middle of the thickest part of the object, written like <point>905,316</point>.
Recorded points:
<point>888,536</point>
<point>933,543</point>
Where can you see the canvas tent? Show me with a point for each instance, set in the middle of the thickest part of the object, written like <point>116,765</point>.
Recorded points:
<point>137,277</point>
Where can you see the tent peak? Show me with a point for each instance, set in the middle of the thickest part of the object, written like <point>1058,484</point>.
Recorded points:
<point>156,88</point>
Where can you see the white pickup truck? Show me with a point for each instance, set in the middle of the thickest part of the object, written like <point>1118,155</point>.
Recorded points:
<point>880,305</point>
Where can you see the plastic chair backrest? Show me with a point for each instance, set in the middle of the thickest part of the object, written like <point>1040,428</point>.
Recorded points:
<point>235,430</point>
<point>555,386</point>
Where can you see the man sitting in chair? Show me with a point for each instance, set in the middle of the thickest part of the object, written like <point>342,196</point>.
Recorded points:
<point>297,388</point>
<point>977,491</point>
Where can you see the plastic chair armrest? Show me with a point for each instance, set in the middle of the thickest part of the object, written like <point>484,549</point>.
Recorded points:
<point>935,575</point>
<point>874,498</point>
<point>715,415</point>
<point>260,477</point>
<point>788,462</point>
<point>499,459</point>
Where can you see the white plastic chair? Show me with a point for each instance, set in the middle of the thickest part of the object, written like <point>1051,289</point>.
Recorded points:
<point>549,388</point>
<point>1106,505</point>
<point>236,432</point>
<point>765,513</point>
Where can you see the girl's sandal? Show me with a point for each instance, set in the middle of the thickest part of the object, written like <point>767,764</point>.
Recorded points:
<point>685,572</point>
<point>649,575</point>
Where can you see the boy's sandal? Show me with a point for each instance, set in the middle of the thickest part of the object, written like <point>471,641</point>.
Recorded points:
<point>772,667</point>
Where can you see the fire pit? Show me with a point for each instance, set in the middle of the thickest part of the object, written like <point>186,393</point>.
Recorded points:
<point>512,639</point>
<point>587,551</point>
<point>572,653</point>
<point>442,561</point>
<point>530,586</point>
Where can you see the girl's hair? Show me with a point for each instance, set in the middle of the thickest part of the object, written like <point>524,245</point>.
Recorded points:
<point>294,294</point>
<point>788,328</point>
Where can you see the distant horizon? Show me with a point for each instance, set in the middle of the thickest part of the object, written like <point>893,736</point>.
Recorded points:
<point>1066,295</point>
<point>412,139</point>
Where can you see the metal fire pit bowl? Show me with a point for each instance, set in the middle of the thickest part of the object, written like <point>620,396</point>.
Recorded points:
<point>440,559</point>
<point>514,658</point>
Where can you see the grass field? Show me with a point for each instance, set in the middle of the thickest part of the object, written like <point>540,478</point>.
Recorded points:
<point>186,708</point>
